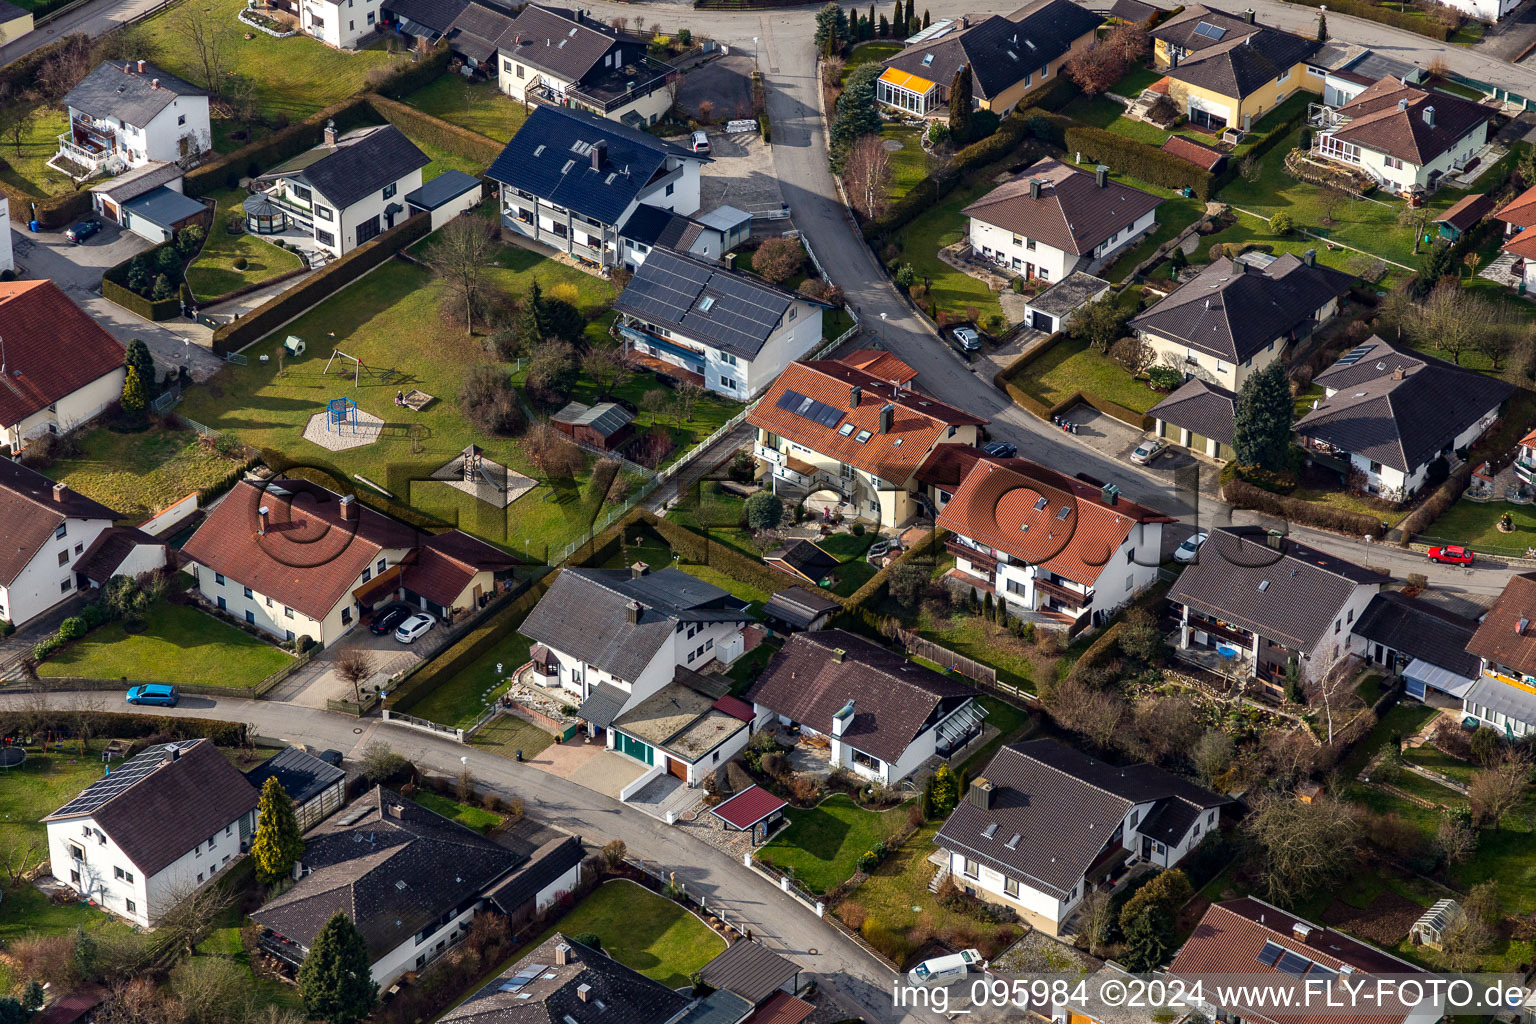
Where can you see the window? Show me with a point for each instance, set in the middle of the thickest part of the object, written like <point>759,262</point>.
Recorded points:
<point>74,876</point>
<point>250,616</point>
<point>247,591</point>
<point>79,548</point>
<point>325,213</point>
<point>367,229</point>
<point>61,531</point>
<point>287,612</point>
<point>670,188</point>
<point>1394,163</point>
<point>218,578</point>
<point>716,759</point>
<point>1011,887</point>
<point>969,868</point>
<point>519,71</point>
<point>222,606</point>
<point>325,238</point>
<point>197,850</point>
<point>367,575</point>
<point>1029,243</point>
<point>389,190</point>
<point>709,644</point>
<point>691,656</point>
<point>199,878</point>
<point>1045,72</point>
<point>1375,467</point>
<point>1282,76</point>
<point>370,17</point>
<point>728,383</point>
<point>1351,616</point>
<point>351,25</point>
<point>119,873</point>
<point>66,586</point>
<point>1335,625</point>
<point>1135,817</point>
<point>64,557</point>
<point>299,191</point>
<point>346,616</point>
<point>381,565</point>
<point>133,908</point>
<point>1018,239</point>
<point>227,829</point>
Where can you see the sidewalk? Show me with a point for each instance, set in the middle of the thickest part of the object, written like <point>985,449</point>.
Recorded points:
<point>739,436</point>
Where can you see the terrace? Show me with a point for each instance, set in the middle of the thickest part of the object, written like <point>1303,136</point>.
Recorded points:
<point>622,86</point>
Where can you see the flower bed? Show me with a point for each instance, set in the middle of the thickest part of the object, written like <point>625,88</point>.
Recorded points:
<point>262,23</point>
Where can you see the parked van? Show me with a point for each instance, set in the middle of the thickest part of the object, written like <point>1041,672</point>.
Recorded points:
<point>945,970</point>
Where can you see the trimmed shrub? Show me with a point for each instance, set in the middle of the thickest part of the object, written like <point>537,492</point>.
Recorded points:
<point>1245,495</point>
<point>1139,160</point>
<point>72,628</point>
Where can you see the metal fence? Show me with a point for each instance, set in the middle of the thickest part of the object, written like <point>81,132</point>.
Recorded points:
<point>237,358</point>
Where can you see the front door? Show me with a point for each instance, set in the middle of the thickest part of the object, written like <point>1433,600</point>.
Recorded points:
<point>1146,848</point>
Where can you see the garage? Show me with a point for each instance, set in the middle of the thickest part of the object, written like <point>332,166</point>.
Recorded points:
<point>1049,310</point>
<point>628,745</point>
<point>677,768</point>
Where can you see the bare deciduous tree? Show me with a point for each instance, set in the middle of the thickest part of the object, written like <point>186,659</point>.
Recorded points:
<point>1098,919</point>
<point>17,127</point>
<point>20,855</point>
<point>556,456</point>
<point>1495,792</point>
<point>1330,198</point>
<point>688,396</point>
<point>355,666</point>
<point>461,256</point>
<point>607,369</point>
<point>209,40</point>
<point>866,173</point>
<point>193,912</point>
<point>1300,848</point>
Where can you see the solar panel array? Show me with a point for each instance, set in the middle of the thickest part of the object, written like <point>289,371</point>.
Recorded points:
<point>1354,355</point>
<point>1270,953</point>
<point>1209,31</point>
<point>809,408</point>
<point>1281,959</point>
<point>130,772</point>
<point>738,314</point>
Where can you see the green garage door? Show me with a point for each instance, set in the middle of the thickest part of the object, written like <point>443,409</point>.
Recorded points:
<point>634,748</point>
<point>1196,443</point>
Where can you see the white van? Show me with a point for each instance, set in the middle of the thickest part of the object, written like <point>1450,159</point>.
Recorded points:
<point>945,970</point>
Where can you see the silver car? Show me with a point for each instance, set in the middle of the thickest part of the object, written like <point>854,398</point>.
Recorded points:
<point>1148,451</point>
<point>1186,552</point>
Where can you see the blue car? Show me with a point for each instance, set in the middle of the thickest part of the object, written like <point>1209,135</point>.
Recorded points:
<point>85,229</point>
<point>161,694</point>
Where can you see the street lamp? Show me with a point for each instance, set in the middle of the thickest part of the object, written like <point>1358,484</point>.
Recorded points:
<point>755,65</point>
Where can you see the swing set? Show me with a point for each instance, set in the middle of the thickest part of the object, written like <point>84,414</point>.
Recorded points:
<point>358,366</point>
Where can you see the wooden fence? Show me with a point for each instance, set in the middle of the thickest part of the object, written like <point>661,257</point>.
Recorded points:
<point>970,668</point>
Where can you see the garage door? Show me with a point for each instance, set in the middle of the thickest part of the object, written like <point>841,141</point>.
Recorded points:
<point>1196,442</point>
<point>1043,322</point>
<point>678,768</point>
<point>634,748</point>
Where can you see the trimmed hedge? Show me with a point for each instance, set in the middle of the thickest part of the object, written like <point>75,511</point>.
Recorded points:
<point>1103,648</point>
<point>123,725</point>
<point>1139,160</point>
<point>1438,503</point>
<point>255,157</point>
<point>275,312</point>
<point>1384,15</point>
<point>877,582</point>
<point>696,547</point>
<point>114,289</point>
<point>436,132</point>
<point>1242,494</point>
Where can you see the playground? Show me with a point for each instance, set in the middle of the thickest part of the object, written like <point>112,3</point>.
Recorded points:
<point>484,479</point>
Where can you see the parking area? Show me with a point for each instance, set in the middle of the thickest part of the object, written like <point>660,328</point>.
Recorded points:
<point>724,84</point>
<point>740,174</point>
<point>589,764</point>
<point>318,682</point>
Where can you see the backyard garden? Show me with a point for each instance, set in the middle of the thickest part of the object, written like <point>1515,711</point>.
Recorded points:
<point>479,106</point>
<point>821,845</point>
<point>140,474</point>
<point>232,260</point>
<point>642,930</point>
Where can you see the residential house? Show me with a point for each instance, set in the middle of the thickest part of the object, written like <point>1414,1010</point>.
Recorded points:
<point>1050,310</point>
<point>1389,414</point>
<point>474,34</point>
<point>1225,71</point>
<point>121,551</point>
<point>884,716</point>
<point>344,191</point>
<point>796,609</point>
<point>60,367</point>
<point>1046,543</point>
<point>1234,318</point>
<point>317,787</point>
<point>125,114</point>
<point>1504,695</point>
<point>711,236</point>
<point>47,530</point>
<point>1485,10</point>
<point>1008,55</point>
<point>1420,641</point>
<point>686,729</point>
<point>15,22</point>
<point>1198,415</point>
<point>1044,822</point>
<point>295,559</point>
<point>1348,69</point>
<point>730,331</point>
<point>409,879</point>
<point>618,636</point>
<point>1518,214</point>
<point>344,24</point>
<point>153,829</point>
<point>570,58</point>
<point>552,868</point>
<point>1277,949</point>
<point>149,201</point>
<point>1405,137</point>
<point>825,425</point>
<point>1054,219</point>
<point>1261,601</point>
<point>573,180</point>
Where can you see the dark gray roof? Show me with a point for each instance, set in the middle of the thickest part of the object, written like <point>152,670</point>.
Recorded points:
<point>1076,289</point>
<point>302,775</point>
<point>362,161</point>
<point>1233,310</point>
<point>894,699</point>
<point>606,418</point>
<point>705,301</point>
<point>164,206</point>
<point>436,15</point>
<point>109,91</point>
<point>477,30</point>
<point>10,12</point>
<point>1137,11</point>
<point>798,606</point>
<point>541,870</point>
<point>552,39</point>
<point>751,970</point>
<point>603,704</point>
<point>1184,28</point>
<point>391,866</point>
<point>1057,807</point>
<point>585,614</point>
<point>804,557</point>
<point>1072,213</point>
<point>651,225</point>
<point>549,995</point>
<point>1291,593</point>
<point>1404,413</point>
<point>1419,630</point>
<point>1197,405</point>
<point>720,1007</point>
<point>136,182</point>
<point>442,189</point>
<point>1000,51</point>
<point>551,156</point>
<point>1242,65</point>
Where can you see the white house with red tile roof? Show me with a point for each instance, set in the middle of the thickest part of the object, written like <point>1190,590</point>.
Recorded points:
<point>1040,541</point>
<point>826,425</point>
<point>47,528</point>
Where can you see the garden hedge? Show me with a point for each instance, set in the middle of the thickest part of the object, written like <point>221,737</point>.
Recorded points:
<point>1242,494</point>
<point>122,725</point>
<point>1419,25</point>
<point>434,131</point>
<point>1097,653</point>
<point>1437,504</point>
<point>256,157</point>
<point>275,312</point>
<point>1139,160</point>
<point>114,289</point>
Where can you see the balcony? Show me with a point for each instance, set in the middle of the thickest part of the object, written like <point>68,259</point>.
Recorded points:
<point>1064,595</point>
<point>979,559</point>
<point>93,159</point>
<point>622,86</point>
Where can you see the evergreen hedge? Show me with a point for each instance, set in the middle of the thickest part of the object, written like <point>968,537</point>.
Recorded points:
<point>1418,24</point>
<point>1139,160</point>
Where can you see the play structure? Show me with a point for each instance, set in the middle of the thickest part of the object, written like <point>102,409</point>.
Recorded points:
<point>474,469</point>
<point>341,425</point>
<point>341,415</point>
<point>11,757</point>
<point>482,478</point>
<point>359,368</point>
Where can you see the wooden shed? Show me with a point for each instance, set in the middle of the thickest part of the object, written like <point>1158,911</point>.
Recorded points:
<point>606,425</point>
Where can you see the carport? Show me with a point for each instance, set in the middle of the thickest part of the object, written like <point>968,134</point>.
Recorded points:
<point>1420,677</point>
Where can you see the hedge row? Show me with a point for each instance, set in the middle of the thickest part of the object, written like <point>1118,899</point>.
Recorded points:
<point>255,157</point>
<point>114,289</point>
<point>123,725</point>
<point>698,548</point>
<point>1242,494</point>
<point>1385,15</point>
<point>1438,503</point>
<point>1100,651</point>
<point>1139,160</point>
<point>275,312</point>
<point>875,583</point>
<point>434,131</point>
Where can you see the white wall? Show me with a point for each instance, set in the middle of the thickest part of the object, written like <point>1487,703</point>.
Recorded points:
<point>565,883</point>
<point>682,176</point>
<point>445,213</point>
<point>799,331</point>
<point>1049,262</point>
<point>7,259</point>
<point>345,23</point>
<point>1394,484</point>
<point>43,583</point>
<point>344,227</point>
<point>701,769</point>
<point>403,957</point>
<point>1399,178</point>
<point>1484,10</point>
<point>1335,643</point>
<point>161,138</point>
<point>581,678</point>
<point>68,412</point>
<point>1042,909</point>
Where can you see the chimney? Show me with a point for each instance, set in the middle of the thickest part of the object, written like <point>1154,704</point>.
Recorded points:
<point>562,954</point>
<point>980,793</point>
<point>639,569</point>
<point>1402,104</point>
<point>1520,626</point>
<point>1109,494</point>
<point>1429,116</point>
<point>263,511</point>
<point>141,67</point>
<point>330,133</point>
<point>580,14</point>
<point>887,417</point>
<point>842,718</point>
<point>1397,374</point>
<point>1249,16</point>
<point>855,393</point>
<point>1101,176</point>
<point>1310,257</point>
<point>298,870</point>
<point>1275,539</point>
<point>583,992</point>
<point>633,610</point>
<point>599,155</point>
<point>837,659</point>
<point>395,810</point>
<point>1300,931</point>
<point>58,492</point>
<point>965,21</point>
<point>175,753</point>
<point>154,83</point>
<point>1034,188</point>
<point>348,507</point>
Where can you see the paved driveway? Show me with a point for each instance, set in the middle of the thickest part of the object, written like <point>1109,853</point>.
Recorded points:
<point>741,174</point>
<point>725,83</point>
<point>319,682</point>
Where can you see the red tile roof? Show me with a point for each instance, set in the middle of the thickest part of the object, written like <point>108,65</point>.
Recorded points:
<point>998,499</point>
<point>1522,245</point>
<point>1507,636</point>
<point>919,423</point>
<point>1188,149</point>
<point>748,807</point>
<point>310,555</point>
<point>52,348</point>
<point>31,510</point>
<point>1378,121</point>
<point>782,1008</point>
<point>735,707</point>
<point>446,563</point>
<point>880,364</point>
<point>1519,211</point>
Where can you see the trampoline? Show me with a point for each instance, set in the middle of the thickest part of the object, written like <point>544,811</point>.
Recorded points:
<point>11,757</point>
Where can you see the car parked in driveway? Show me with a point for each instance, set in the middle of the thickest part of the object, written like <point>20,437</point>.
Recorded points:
<point>698,142</point>
<point>965,341</point>
<point>83,230</point>
<point>389,618</point>
<point>1186,552</point>
<point>160,694</point>
<point>413,627</point>
<point>1450,554</point>
<point>1148,451</point>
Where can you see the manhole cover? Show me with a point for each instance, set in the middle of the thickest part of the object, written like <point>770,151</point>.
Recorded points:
<point>357,730</point>
<point>812,951</point>
<point>892,145</point>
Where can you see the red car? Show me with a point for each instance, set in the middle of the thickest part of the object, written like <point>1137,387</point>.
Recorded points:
<point>1454,554</point>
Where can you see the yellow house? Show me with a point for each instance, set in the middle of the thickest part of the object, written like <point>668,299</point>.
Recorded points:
<point>1008,57</point>
<point>14,22</point>
<point>1225,71</point>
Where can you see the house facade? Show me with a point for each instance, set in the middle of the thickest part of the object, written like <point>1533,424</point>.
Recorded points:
<point>824,424</point>
<point>734,331</point>
<point>1503,697</point>
<point>48,528</point>
<point>1102,820</point>
<point>344,192</point>
<point>882,715</point>
<point>344,24</point>
<point>1233,318</point>
<point>160,825</point>
<point>1042,542</point>
<point>1055,219</point>
<point>1405,137</point>
<point>1225,71</point>
<point>1517,215</point>
<point>125,114</point>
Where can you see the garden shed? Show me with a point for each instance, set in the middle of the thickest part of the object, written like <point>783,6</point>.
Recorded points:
<point>606,425</point>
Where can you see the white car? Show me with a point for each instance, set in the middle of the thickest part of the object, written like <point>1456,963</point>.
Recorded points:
<point>1147,452</point>
<point>413,627</point>
<point>945,970</point>
<point>699,142</point>
<point>1187,551</point>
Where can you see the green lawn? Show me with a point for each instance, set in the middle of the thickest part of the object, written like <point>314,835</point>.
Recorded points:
<point>180,644</point>
<point>656,553</point>
<point>644,931</point>
<point>870,53</point>
<point>468,815</point>
<point>823,844</point>
<point>478,106</point>
<point>1176,214</point>
<point>844,546</point>
<point>1072,366</point>
<point>971,636</point>
<point>1475,523</point>
<point>850,576</point>
<point>213,273</point>
<point>1340,499</point>
<point>1253,231</point>
<point>745,669</point>
<point>909,164</point>
<point>1401,720</point>
<point>508,734</point>
<point>28,169</point>
<point>464,698</point>
<point>920,242</point>
<point>139,474</point>
<point>1008,720</point>
<point>1436,760</point>
<point>1136,81</point>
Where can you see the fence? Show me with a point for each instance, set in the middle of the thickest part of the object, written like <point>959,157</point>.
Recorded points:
<point>485,718</point>
<point>412,722</point>
<point>946,658</point>
<point>356,710</point>
<point>239,359</point>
